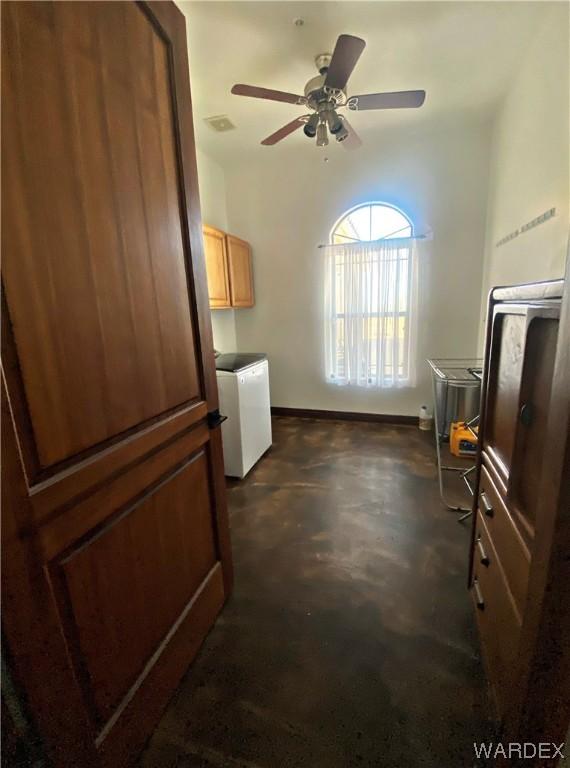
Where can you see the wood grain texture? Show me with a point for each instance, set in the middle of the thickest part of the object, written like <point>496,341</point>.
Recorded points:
<point>542,711</point>
<point>85,476</point>
<point>241,272</point>
<point>128,583</point>
<point>117,536</point>
<point>94,263</point>
<point>498,622</point>
<point>219,495</point>
<point>512,550</point>
<point>166,17</point>
<point>141,712</point>
<point>523,466</point>
<point>31,624</point>
<point>504,387</point>
<point>78,514</point>
<point>531,447</point>
<point>215,251</point>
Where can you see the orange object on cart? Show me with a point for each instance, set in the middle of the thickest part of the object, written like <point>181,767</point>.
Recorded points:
<point>462,441</point>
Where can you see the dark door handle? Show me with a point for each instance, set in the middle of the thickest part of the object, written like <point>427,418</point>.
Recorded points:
<point>215,418</point>
<point>526,414</point>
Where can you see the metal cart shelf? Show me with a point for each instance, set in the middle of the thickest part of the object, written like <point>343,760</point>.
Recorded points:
<point>456,394</point>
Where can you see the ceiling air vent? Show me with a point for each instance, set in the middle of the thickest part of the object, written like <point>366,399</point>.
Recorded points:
<point>220,123</point>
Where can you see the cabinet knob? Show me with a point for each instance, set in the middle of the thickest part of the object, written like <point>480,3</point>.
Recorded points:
<point>486,504</point>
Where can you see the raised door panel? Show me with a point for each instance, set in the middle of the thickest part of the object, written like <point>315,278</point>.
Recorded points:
<point>93,241</point>
<point>523,346</point>
<point>509,332</point>
<point>135,563</point>
<point>241,273</point>
<point>126,584</point>
<point>217,268</point>
<point>531,449</point>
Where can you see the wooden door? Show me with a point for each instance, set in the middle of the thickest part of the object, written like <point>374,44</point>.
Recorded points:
<point>217,268</point>
<point>115,540</point>
<point>241,273</point>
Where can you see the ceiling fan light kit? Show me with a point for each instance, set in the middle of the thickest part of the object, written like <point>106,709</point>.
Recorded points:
<point>322,136</point>
<point>325,93</point>
<point>310,127</point>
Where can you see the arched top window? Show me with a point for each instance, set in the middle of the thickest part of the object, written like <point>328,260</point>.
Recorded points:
<point>370,299</point>
<point>371,221</point>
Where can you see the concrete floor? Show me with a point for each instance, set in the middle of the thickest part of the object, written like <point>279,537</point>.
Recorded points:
<point>349,639</point>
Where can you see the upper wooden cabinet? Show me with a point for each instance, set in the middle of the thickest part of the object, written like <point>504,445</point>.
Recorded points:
<point>229,268</point>
<point>241,274</point>
<point>215,250</point>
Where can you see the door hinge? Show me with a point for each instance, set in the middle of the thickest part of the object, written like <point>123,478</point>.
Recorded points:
<point>215,418</point>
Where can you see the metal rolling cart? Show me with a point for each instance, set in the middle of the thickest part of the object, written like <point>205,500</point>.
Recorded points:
<point>456,395</point>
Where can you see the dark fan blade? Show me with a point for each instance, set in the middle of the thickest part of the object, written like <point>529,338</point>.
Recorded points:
<point>353,140</point>
<point>267,93</point>
<point>285,131</point>
<point>397,100</point>
<point>345,55</point>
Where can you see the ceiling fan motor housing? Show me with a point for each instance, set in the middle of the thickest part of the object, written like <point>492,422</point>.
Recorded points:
<point>316,93</point>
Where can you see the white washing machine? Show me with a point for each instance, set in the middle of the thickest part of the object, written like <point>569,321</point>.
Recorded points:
<point>243,387</point>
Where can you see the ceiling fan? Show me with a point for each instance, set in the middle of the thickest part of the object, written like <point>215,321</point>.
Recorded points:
<point>326,93</point>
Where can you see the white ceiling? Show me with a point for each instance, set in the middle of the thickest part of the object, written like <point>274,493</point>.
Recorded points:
<point>462,53</point>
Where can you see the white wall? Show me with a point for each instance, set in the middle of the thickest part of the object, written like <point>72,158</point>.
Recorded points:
<point>447,179</point>
<point>285,201</point>
<point>529,170</point>
<point>211,184</point>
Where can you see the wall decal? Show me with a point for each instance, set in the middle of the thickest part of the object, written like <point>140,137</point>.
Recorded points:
<point>529,225</point>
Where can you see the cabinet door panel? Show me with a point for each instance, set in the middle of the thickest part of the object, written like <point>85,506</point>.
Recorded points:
<point>509,332</point>
<point>217,268</point>
<point>530,448</point>
<point>523,349</point>
<point>241,272</point>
